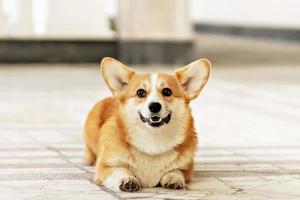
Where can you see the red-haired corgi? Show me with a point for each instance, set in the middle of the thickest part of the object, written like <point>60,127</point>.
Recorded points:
<point>144,135</point>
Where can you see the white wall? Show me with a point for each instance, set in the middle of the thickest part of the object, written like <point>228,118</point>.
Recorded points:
<point>85,18</point>
<point>15,17</point>
<point>261,13</point>
<point>55,18</point>
<point>89,18</point>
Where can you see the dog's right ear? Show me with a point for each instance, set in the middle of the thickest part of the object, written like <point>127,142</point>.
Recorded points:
<point>116,75</point>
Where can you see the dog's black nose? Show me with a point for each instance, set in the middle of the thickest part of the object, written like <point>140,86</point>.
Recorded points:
<point>154,107</point>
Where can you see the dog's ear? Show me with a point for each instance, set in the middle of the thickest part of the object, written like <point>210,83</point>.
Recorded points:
<point>193,77</point>
<point>116,75</point>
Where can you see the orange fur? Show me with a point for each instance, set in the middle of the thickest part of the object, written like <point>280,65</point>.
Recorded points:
<point>110,137</point>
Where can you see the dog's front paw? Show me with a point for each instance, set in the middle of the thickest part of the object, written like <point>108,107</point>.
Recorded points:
<point>173,180</point>
<point>120,179</point>
<point>129,184</point>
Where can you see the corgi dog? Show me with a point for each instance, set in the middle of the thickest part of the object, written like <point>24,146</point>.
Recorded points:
<point>144,135</point>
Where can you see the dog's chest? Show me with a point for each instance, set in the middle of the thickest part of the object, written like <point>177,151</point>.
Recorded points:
<point>150,168</point>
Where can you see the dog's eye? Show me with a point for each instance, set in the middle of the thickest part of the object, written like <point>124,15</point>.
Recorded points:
<point>167,92</point>
<point>141,93</point>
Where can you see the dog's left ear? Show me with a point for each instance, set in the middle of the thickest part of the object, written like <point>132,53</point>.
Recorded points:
<point>116,75</point>
<point>193,77</point>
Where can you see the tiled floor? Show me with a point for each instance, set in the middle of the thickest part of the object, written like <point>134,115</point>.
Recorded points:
<point>248,119</point>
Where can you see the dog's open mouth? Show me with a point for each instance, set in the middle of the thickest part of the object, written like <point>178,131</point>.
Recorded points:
<point>155,121</point>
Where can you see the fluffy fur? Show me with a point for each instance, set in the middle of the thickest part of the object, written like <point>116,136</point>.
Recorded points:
<point>129,153</point>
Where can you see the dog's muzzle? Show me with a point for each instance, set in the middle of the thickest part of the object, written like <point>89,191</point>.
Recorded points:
<point>155,121</point>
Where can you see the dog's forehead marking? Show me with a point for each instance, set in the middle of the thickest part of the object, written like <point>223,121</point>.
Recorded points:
<point>154,78</point>
<point>153,96</point>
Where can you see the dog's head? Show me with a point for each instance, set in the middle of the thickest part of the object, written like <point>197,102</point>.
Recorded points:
<point>156,99</point>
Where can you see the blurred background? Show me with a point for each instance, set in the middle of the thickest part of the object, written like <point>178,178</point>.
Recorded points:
<point>150,31</point>
<point>50,50</point>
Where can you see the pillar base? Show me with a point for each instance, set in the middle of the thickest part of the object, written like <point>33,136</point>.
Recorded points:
<point>149,52</point>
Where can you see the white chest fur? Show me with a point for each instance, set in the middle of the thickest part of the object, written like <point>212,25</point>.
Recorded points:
<point>150,168</point>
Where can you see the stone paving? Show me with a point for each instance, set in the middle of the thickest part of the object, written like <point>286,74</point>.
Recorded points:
<point>248,119</point>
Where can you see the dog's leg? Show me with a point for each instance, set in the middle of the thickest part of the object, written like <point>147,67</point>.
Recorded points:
<point>90,157</point>
<point>173,179</point>
<point>116,178</point>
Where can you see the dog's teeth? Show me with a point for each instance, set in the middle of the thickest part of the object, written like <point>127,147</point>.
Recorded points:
<point>155,119</point>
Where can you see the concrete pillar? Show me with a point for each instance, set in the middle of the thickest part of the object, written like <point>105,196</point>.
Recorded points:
<point>154,31</point>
